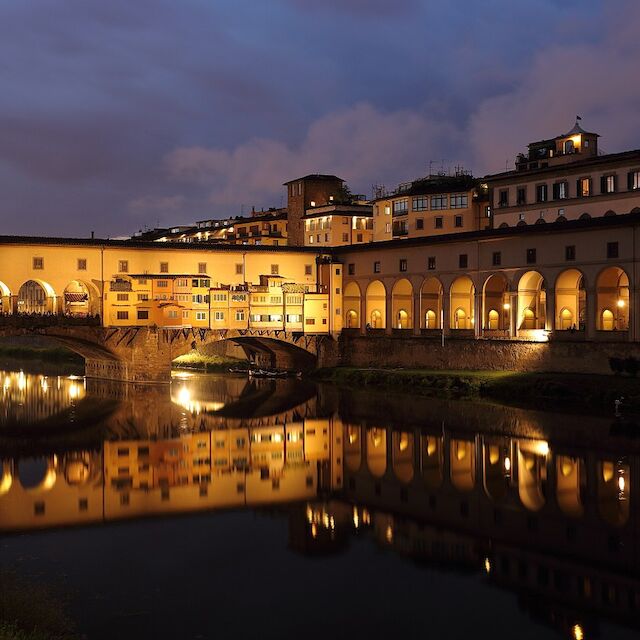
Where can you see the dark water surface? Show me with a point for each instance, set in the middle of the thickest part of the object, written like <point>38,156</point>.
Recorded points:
<point>218,507</point>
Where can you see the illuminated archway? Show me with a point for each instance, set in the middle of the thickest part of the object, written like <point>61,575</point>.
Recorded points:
<point>462,295</point>
<point>5,299</point>
<point>352,300</point>
<point>6,476</point>
<point>376,304</point>
<point>402,455</point>
<point>532,301</point>
<point>463,464</point>
<point>36,296</point>
<point>431,303</point>
<point>496,302</point>
<point>402,304</point>
<point>571,300</point>
<point>612,291</point>
<point>377,451</point>
<point>79,299</point>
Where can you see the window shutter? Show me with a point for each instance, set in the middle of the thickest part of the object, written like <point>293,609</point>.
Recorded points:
<point>578,189</point>
<point>630,180</point>
<point>615,183</point>
<point>556,191</point>
<point>603,184</point>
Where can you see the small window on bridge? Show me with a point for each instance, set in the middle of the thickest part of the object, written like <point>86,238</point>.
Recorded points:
<point>82,264</point>
<point>202,267</point>
<point>164,267</point>
<point>38,263</point>
<point>307,270</point>
<point>123,266</point>
<point>275,269</point>
<point>238,268</point>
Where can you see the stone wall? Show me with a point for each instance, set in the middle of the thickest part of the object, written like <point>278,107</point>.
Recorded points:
<point>417,352</point>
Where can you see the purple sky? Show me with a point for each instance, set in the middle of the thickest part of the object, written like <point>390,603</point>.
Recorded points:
<point>124,114</point>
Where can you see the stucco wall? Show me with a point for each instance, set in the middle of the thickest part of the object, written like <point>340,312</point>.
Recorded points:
<point>389,351</point>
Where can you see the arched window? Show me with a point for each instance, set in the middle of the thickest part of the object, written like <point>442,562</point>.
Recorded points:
<point>430,319</point>
<point>608,323</point>
<point>494,319</point>
<point>376,319</point>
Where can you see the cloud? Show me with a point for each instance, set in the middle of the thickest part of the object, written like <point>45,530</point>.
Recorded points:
<point>363,8</point>
<point>361,144</point>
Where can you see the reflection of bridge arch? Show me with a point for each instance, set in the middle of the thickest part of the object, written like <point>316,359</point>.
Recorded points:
<point>6,476</point>
<point>377,451</point>
<point>402,455</point>
<point>353,448</point>
<point>432,453</point>
<point>37,474</point>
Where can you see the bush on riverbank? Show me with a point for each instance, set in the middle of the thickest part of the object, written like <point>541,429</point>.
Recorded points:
<point>575,390</point>
<point>44,354</point>
<point>213,363</point>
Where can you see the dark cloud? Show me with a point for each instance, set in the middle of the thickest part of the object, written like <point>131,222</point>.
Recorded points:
<point>118,114</point>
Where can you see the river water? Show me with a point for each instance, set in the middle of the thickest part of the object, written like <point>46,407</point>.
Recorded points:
<point>222,507</point>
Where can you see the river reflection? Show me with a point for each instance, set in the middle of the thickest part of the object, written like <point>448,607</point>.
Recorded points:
<point>539,504</point>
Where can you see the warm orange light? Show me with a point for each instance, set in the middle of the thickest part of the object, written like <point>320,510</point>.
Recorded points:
<point>577,632</point>
<point>506,306</point>
<point>621,303</point>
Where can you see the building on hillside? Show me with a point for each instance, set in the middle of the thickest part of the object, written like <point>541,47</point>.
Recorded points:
<point>565,178</point>
<point>431,206</point>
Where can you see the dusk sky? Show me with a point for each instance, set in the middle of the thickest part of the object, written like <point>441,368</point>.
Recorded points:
<point>121,114</point>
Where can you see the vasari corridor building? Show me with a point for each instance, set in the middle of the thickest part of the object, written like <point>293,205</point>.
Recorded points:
<point>524,266</point>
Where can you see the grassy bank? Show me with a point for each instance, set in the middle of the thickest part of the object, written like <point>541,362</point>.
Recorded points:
<point>58,355</point>
<point>201,362</point>
<point>597,392</point>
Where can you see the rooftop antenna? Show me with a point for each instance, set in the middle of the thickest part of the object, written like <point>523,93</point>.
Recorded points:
<point>506,164</point>
<point>242,210</point>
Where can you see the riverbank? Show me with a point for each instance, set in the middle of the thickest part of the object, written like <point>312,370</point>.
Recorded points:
<point>208,363</point>
<point>576,391</point>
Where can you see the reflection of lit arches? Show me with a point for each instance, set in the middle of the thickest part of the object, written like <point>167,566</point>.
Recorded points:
<point>613,481</point>
<point>6,476</point>
<point>351,300</point>
<point>570,300</point>
<point>37,474</point>
<point>377,451</point>
<point>376,304</point>
<point>462,294</point>
<point>496,470</point>
<point>353,448</point>
<point>570,481</point>
<point>496,302</point>
<point>402,455</point>
<point>532,477</point>
<point>463,464</point>
<point>431,303</point>
<point>612,292</point>
<point>532,300</point>
<point>36,296</point>
<point>431,450</point>
<point>76,469</point>
<point>402,304</point>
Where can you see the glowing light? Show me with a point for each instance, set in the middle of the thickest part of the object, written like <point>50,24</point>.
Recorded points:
<point>404,442</point>
<point>540,335</point>
<point>22,381</point>
<point>487,565</point>
<point>577,632</point>
<point>184,396</point>
<point>277,437</point>
<point>507,464</point>
<point>389,534</point>
<point>506,306</point>
<point>309,515</point>
<point>356,519</point>
<point>314,530</point>
<point>621,303</point>
<point>73,391</point>
<point>621,483</point>
<point>332,523</point>
<point>431,446</point>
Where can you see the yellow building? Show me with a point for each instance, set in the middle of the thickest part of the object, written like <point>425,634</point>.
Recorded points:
<point>335,225</point>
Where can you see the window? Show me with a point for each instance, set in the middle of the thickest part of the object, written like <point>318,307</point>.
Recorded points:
<point>387,227</point>
<point>531,256</point>
<point>463,261</point>
<point>521,197</point>
<point>143,315</point>
<point>351,269</point>
<point>419,223</point>
<point>403,264</point>
<point>400,207</point>
<point>459,201</point>
<point>240,315</point>
<point>633,180</point>
<point>541,193</point>
<point>122,297</point>
<point>275,269</point>
<point>294,317</point>
<point>431,263</point>
<point>561,190</point>
<point>308,270</point>
<point>387,210</point>
<point>439,202</point>
<point>201,315</point>
<point>376,266</point>
<point>612,249</point>
<point>503,198</point>
<point>202,267</point>
<point>438,222</point>
<point>310,239</point>
<point>310,321</point>
<point>38,263</point>
<point>584,187</point>
<point>458,221</point>
<point>497,258</point>
<point>164,267</point>
<point>238,268</point>
<point>122,315</point>
<point>219,315</point>
<point>345,237</point>
<point>608,184</point>
<point>421,203</point>
<point>359,237</point>
<point>162,284</point>
<point>82,264</point>
<point>123,266</point>
<point>172,314</point>
<point>326,237</point>
<point>142,297</point>
<point>570,252</point>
